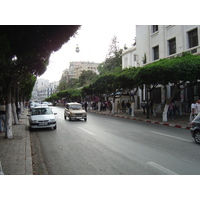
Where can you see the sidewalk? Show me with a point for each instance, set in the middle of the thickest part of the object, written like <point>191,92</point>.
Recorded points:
<point>15,153</point>
<point>178,121</point>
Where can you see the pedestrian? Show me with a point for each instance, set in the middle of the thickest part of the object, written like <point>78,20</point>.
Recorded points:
<point>171,109</point>
<point>143,105</point>
<point>110,106</point>
<point>198,106</point>
<point>123,107</point>
<point>85,105</point>
<point>2,117</point>
<point>194,112</point>
<point>128,105</point>
<point>154,108</point>
<point>99,106</point>
<point>119,107</point>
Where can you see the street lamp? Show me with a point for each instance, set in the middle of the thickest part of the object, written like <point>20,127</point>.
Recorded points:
<point>77,49</point>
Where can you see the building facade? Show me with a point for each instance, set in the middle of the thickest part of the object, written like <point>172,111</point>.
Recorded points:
<point>129,58</point>
<point>76,68</point>
<point>166,41</point>
<point>154,42</point>
<point>43,89</point>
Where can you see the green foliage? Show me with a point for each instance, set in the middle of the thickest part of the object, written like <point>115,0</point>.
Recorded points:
<point>126,78</point>
<point>52,98</point>
<point>27,85</point>
<point>186,68</point>
<point>113,62</point>
<point>87,77</point>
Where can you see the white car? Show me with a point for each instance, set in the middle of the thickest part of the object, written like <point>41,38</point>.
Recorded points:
<point>42,117</point>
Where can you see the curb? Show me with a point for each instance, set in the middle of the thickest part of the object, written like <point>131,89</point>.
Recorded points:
<point>148,121</point>
<point>28,156</point>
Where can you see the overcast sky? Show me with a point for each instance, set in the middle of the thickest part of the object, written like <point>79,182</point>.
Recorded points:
<point>93,42</point>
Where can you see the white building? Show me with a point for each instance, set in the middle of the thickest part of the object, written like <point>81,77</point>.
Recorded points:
<point>165,41</point>
<point>129,58</point>
<point>76,68</point>
<point>43,89</point>
<point>154,42</point>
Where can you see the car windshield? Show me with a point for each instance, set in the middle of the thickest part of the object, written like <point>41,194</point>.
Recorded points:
<point>42,111</point>
<point>75,107</point>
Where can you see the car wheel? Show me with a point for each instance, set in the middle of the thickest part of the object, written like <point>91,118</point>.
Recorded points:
<point>55,127</point>
<point>85,119</point>
<point>69,118</point>
<point>65,116</point>
<point>197,137</point>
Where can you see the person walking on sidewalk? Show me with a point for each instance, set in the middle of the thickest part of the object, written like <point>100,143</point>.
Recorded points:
<point>110,106</point>
<point>154,108</point>
<point>171,110</point>
<point>2,117</point>
<point>194,112</point>
<point>119,107</point>
<point>123,107</point>
<point>198,106</point>
<point>128,105</point>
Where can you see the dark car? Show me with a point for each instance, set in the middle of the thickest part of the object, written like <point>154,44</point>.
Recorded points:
<point>195,130</point>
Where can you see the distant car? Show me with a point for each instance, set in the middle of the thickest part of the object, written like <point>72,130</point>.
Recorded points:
<point>45,102</point>
<point>40,105</point>
<point>42,117</point>
<point>32,105</point>
<point>195,130</point>
<point>49,104</point>
<point>74,111</point>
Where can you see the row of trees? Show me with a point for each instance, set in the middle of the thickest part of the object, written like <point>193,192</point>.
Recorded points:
<point>181,72</point>
<point>24,54</point>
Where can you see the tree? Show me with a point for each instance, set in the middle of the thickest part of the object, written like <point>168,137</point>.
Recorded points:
<point>87,77</point>
<point>180,72</point>
<point>27,50</point>
<point>106,84</point>
<point>113,61</point>
<point>126,79</point>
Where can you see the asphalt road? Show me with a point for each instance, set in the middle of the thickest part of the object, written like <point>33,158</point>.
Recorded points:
<point>112,146</point>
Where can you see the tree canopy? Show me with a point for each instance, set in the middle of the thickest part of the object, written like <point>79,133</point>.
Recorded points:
<point>26,50</point>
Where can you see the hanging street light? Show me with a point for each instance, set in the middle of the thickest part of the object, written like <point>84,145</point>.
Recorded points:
<point>77,49</point>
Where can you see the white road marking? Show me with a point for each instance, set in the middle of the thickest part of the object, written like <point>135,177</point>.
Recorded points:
<point>165,170</point>
<point>170,136</point>
<point>113,122</point>
<point>86,131</point>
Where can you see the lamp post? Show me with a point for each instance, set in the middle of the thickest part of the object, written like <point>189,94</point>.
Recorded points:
<point>77,49</point>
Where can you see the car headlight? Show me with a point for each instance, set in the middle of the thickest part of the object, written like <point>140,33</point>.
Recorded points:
<point>52,120</point>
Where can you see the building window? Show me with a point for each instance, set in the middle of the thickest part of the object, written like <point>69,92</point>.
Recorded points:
<point>193,38</point>
<point>154,28</point>
<point>156,53</point>
<point>172,46</point>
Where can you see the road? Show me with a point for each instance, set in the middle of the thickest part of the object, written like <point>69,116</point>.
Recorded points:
<point>112,146</point>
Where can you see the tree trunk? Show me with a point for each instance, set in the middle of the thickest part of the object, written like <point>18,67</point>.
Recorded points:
<point>113,107</point>
<point>21,107</point>
<point>165,113</point>
<point>132,109</point>
<point>16,121</point>
<point>9,132</point>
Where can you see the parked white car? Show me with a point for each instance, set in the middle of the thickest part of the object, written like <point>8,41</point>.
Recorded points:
<point>42,117</point>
